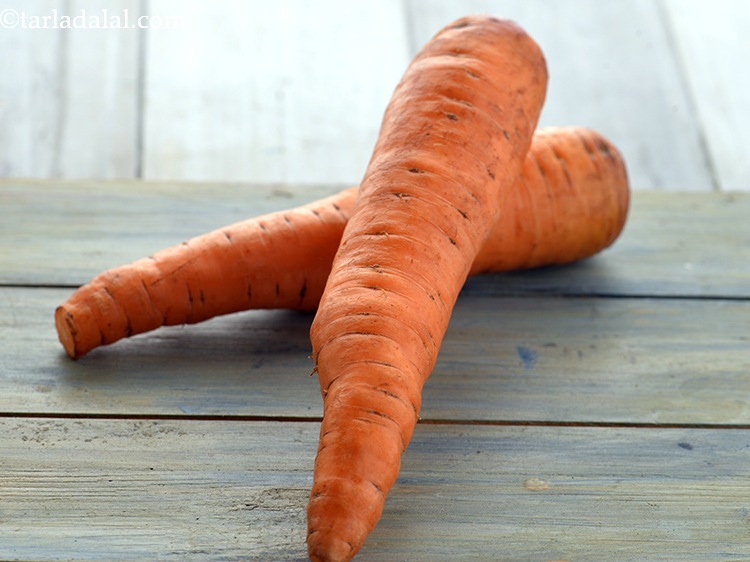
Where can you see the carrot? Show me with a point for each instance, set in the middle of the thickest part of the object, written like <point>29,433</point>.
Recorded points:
<point>569,203</point>
<point>451,146</point>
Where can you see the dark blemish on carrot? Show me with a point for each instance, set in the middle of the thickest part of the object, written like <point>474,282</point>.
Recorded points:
<point>452,116</point>
<point>472,74</point>
<point>586,145</point>
<point>202,296</point>
<point>527,355</point>
<point>604,149</point>
<point>229,236</point>
<point>490,173</point>
<point>506,134</point>
<point>416,170</point>
<point>303,291</point>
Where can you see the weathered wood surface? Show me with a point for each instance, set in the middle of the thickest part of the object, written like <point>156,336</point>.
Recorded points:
<point>283,91</point>
<point>592,412</point>
<point>197,490</point>
<point>601,360</point>
<point>710,44</point>
<point>69,98</point>
<point>294,91</point>
<point>78,229</point>
<point>686,244</point>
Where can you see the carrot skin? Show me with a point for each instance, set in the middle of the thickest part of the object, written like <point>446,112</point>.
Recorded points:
<point>570,202</point>
<point>451,145</point>
<point>544,222</point>
<point>279,260</point>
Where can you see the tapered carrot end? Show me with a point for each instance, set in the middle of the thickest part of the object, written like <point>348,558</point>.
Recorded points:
<point>326,547</point>
<point>340,515</point>
<point>66,331</point>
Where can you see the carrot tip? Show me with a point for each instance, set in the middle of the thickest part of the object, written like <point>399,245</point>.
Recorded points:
<point>66,331</point>
<point>325,547</point>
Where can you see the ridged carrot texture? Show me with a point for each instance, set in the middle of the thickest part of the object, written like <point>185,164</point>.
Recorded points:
<point>452,142</point>
<point>570,202</point>
<point>279,260</point>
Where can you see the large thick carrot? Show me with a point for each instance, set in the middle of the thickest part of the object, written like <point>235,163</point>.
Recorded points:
<point>570,202</point>
<point>451,146</point>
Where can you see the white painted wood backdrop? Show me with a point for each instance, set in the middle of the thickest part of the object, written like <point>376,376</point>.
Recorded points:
<point>293,90</point>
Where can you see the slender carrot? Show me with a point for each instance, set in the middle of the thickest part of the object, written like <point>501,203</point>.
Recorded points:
<point>282,260</point>
<point>451,146</point>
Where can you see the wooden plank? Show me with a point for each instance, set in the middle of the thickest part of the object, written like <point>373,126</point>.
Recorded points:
<point>713,46</point>
<point>611,68</point>
<point>674,244</point>
<point>242,364</point>
<point>29,94</point>
<point>68,99</point>
<point>65,233</point>
<point>287,91</point>
<point>567,494</point>
<point>143,490</point>
<point>170,490</point>
<point>503,359</point>
<point>100,110</point>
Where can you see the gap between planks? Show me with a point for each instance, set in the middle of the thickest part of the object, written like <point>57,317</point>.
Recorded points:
<point>478,291</point>
<point>318,419</point>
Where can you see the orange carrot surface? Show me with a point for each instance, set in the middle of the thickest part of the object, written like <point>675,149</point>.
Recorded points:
<point>570,202</point>
<point>451,147</point>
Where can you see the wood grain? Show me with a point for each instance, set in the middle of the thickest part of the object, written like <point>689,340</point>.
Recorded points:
<point>270,91</point>
<point>611,68</point>
<point>65,233</point>
<point>673,245</point>
<point>171,490</point>
<point>69,97</point>
<point>584,413</point>
<point>29,98</point>
<point>713,45</point>
<point>642,361</point>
